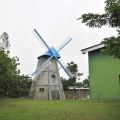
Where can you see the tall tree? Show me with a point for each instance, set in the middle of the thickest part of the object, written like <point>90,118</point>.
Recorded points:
<point>110,17</point>
<point>12,84</point>
<point>4,42</point>
<point>74,70</point>
<point>8,72</point>
<point>71,82</point>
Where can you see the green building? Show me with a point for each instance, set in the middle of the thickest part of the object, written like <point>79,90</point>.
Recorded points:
<point>104,74</point>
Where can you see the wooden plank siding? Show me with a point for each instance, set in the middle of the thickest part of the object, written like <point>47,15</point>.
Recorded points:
<point>104,73</point>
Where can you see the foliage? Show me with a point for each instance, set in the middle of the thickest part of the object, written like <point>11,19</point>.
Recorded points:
<point>74,70</point>
<point>4,42</point>
<point>71,82</point>
<point>26,109</point>
<point>8,72</point>
<point>65,83</point>
<point>111,17</point>
<point>86,83</point>
<point>12,84</point>
<point>20,87</point>
<point>94,20</point>
<point>112,46</point>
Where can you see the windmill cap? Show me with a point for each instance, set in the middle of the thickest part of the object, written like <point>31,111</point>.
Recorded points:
<point>50,53</point>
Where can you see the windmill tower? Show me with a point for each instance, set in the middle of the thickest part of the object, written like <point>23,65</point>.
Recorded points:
<point>47,83</point>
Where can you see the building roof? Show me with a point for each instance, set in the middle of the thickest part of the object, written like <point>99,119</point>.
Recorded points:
<point>95,47</point>
<point>77,88</point>
<point>50,53</point>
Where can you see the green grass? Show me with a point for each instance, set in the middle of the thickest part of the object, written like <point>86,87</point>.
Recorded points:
<point>25,109</point>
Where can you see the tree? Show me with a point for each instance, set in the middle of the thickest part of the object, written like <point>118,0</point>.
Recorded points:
<point>65,83</point>
<point>24,85</point>
<point>12,84</point>
<point>74,70</point>
<point>8,72</point>
<point>4,42</point>
<point>20,87</point>
<point>86,83</point>
<point>111,17</point>
<point>79,84</point>
<point>71,82</point>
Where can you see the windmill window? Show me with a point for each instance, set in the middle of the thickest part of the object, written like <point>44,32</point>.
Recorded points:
<point>41,89</point>
<point>53,76</point>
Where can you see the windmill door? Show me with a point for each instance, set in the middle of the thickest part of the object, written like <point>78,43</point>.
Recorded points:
<point>55,95</point>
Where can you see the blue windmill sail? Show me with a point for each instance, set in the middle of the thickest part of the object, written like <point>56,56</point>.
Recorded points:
<point>52,53</point>
<point>41,68</point>
<point>68,72</point>
<point>62,45</point>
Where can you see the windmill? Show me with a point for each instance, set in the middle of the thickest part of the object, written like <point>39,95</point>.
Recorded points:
<point>47,83</point>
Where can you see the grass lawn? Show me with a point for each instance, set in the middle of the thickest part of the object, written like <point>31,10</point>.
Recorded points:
<point>25,109</point>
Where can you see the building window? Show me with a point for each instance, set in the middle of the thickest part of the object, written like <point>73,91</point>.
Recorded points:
<point>53,76</point>
<point>41,89</point>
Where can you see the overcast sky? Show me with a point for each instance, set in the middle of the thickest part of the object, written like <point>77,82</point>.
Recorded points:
<point>55,20</point>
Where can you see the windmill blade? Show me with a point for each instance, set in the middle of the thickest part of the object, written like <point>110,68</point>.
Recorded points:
<point>39,37</point>
<point>65,69</point>
<point>44,65</point>
<point>41,69</point>
<point>61,46</point>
